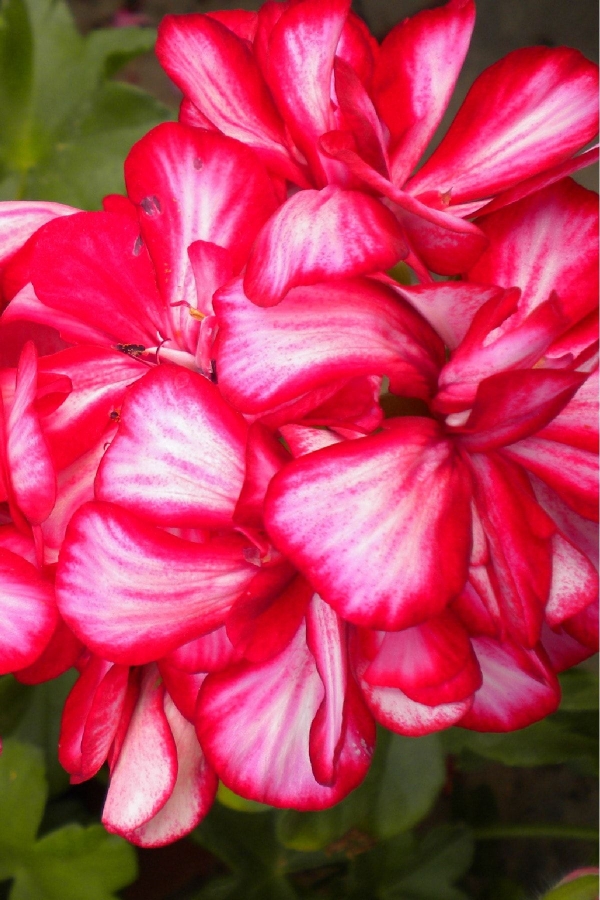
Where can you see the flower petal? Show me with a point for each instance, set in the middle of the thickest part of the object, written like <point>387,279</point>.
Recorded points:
<point>29,614</point>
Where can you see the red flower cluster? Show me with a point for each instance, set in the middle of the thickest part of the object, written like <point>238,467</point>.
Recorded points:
<point>259,492</point>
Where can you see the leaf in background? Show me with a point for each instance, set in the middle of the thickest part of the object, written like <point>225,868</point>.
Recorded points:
<point>583,888</point>
<point>579,690</point>
<point>14,700</point>
<point>72,863</point>
<point>55,93</point>
<point>403,783</point>
<point>41,725</point>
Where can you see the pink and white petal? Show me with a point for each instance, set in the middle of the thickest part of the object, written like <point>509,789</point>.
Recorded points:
<point>302,48</point>
<point>318,334</point>
<point>326,638</point>
<point>75,713</point>
<point>26,307</point>
<point>241,21</point>
<point>584,625</point>
<point>212,267</point>
<point>144,774</point>
<point>419,61</point>
<point>20,219</point>
<point>531,110</point>
<point>182,687</point>
<point>449,307</point>
<point>582,533</point>
<point>394,710</point>
<point>264,457</point>
<point>194,185</point>
<point>570,471</point>
<point>318,235</point>
<point>574,582</point>
<point>132,592</point>
<point>106,280</point>
<point>266,618</point>
<point>562,650</point>
<point>103,720</point>
<point>358,116</point>
<point>178,457</point>
<point>209,653</point>
<point>431,663</point>
<point>30,467</point>
<point>61,653</point>
<point>545,242</point>
<point>510,406</point>
<point>444,243</point>
<point>217,71</point>
<point>519,687</point>
<point>365,522</point>
<point>99,379</point>
<point>254,724</point>
<point>29,614</point>
<point>193,792</point>
<point>577,423</point>
<point>519,536</point>
<point>301,439</point>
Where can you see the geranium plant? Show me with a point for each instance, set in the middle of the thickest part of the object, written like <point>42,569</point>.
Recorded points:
<point>299,433</point>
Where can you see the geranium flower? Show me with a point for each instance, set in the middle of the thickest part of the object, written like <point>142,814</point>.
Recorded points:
<point>306,85</point>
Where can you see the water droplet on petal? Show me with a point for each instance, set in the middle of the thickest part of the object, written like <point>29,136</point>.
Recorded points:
<point>151,206</point>
<point>198,164</point>
<point>137,247</point>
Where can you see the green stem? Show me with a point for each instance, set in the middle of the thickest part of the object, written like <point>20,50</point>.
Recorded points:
<point>566,832</point>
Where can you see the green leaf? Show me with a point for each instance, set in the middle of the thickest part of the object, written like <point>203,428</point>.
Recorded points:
<point>233,801</point>
<point>23,792</point>
<point>443,857</point>
<point>404,781</point>
<point>14,700</point>
<point>579,690</point>
<point>584,888</point>
<point>71,863</point>
<point>87,162</point>
<point>64,128</point>
<point>41,725</point>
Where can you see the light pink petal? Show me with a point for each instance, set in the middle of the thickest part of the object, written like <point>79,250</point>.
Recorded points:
<point>578,530</point>
<point>217,71</point>
<point>432,663</point>
<point>212,267</point>
<point>449,306</point>
<point>519,687</point>
<point>301,439</point>
<point>106,280</point>
<point>319,235</point>
<point>178,457</point>
<point>574,582</point>
<point>416,72</point>
<point>326,639</point>
<point>570,471</point>
<point>302,48</point>
<point>29,614</point>
<point>19,219</point>
<point>394,710</point>
<point>519,535</point>
<point>144,774</point>
<point>133,593</point>
<point>366,523</point>
<point>577,422</point>
<point>194,185</point>
<point>193,792</point>
<point>318,334</point>
<point>31,470</point>
<point>254,723</point>
<point>531,110</point>
<point>547,242</point>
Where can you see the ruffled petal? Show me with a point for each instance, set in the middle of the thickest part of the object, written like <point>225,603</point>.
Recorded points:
<point>318,235</point>
<point>133,593</point>
<point>178,457</point>
<point>29,614</point>
<point>366,522</point>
